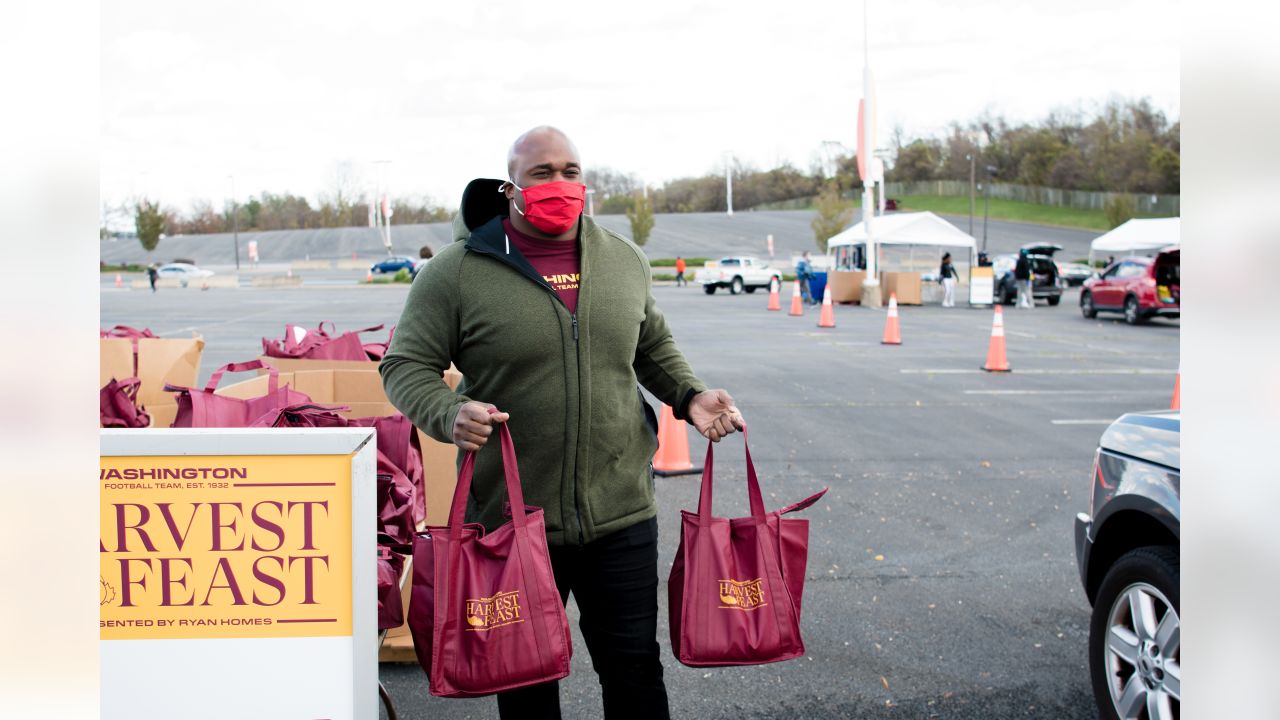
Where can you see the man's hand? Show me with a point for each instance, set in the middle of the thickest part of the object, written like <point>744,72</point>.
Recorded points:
<point>474,424</point>
<point>713,413</point>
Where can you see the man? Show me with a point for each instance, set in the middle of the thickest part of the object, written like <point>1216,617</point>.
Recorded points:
<point>804,270</point>
<point>551,319</point>
<point>680,281</point>
<point>152,274</point>
<point>1022,278</point>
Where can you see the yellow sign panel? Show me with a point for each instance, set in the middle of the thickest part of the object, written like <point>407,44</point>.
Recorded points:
<point>225,547</point>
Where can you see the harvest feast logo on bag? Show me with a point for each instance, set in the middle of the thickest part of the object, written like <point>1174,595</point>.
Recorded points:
<point>494,612</point>
<point>224,547</point>
<point>741,594</point>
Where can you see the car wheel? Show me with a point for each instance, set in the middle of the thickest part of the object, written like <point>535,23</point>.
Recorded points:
<point>1086,305</point>
<point>1131,314</point>
<point>1006,295</point>
<point>736,286</point>
<point>1135,637</point>
<point>709,289</point>
<point>1054,299</point>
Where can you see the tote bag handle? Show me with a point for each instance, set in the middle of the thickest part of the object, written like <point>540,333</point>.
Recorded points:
<point>272,381</point>
<point>753,483</point>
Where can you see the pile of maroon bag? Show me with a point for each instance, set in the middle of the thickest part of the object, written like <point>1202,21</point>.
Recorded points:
<point>320,344</point>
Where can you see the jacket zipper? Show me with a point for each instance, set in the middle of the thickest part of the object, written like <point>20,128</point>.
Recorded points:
<point>577,508</point>
<point>573,317</point>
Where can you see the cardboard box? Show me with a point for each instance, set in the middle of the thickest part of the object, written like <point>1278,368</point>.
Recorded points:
<point>905,284</point>
<point>846,285</point>
<point>174,361</point>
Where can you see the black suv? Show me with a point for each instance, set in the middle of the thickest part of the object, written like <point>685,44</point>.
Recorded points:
<point>1127,547</point>
<point>1047,284</point>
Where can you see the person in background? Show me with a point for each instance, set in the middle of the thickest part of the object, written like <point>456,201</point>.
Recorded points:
<point>1022,278</point>
<point>680,281</point>
<point>804,270</point>
<point>152,274</point>
<point>947,276</point>
<point>424,256</point>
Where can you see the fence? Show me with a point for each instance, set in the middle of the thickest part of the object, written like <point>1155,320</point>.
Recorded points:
<point>1156,205</point>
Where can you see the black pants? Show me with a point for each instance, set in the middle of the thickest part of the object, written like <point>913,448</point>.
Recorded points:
<point>615,581</point>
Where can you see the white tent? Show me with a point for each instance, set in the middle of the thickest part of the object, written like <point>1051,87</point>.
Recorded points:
<point>918,228</point>
<point>1138,235</point>
<point>897,238</point>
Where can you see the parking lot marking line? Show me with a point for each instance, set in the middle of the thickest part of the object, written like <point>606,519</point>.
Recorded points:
<point>1043,371</point>
<point>1063,392</point>
<point>1083,422</point>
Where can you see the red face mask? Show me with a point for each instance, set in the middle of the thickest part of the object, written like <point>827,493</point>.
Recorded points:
<point>553,207</point>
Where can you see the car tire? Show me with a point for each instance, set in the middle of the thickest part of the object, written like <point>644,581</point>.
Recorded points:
<point>1006,296</point>
<point>1132,313</point>
<point>1135,663</point>
<point>736,286</point>
<point>1054,299</point>
<point>709,289</point>
<point>1086,305</point>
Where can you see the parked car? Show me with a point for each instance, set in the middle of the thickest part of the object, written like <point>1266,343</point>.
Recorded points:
<point>1046,282</point>
<point>1127,549</point>
<point>738,274</point>
<point>1139,287</point>
<point>182,272</point>
<point>394,264</point>
<point>1074,274</point>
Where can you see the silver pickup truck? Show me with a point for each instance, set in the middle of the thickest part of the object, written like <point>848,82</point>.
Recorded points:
<point>737,274</point>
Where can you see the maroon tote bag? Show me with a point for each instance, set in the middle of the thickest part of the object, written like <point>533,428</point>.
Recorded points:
<point>203,408</point>
<point>118,405</point>
<point>736,584</point>
<point>484,612</point>
<point>390,606</point>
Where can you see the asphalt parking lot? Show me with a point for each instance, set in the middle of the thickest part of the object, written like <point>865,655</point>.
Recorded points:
<point>942,579</point>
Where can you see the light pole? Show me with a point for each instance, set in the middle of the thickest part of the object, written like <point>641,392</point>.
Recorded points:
<point>591,207</point>
<point>986,202</point>
<point>971,160</point>
<point>235,221</point>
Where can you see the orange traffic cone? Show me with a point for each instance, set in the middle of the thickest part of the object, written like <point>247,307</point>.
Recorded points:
<point>996,360</point>
<point>119,280</point>
<point>797,304</point>
<point>1177,392</point>
<point>368,277</point>
<point>672,457</point>
<point>828,317</point>
<point>775,303</point>
<point>892,335</point>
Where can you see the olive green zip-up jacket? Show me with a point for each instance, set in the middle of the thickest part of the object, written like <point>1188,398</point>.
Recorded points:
<point>569,381</point>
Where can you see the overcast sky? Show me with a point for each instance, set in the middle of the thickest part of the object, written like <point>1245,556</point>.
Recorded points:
<point>283,94</point>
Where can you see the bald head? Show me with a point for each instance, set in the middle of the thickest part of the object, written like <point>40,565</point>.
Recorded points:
<point>540,147</point>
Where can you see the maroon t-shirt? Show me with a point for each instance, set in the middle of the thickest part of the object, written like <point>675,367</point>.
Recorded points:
<point>555,260</point>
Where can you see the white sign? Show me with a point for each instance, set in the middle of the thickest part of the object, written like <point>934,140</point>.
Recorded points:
<point>237,574</point>
<point>981,286</point>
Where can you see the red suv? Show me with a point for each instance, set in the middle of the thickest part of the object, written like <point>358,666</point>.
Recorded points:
<point>1139,287</point>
